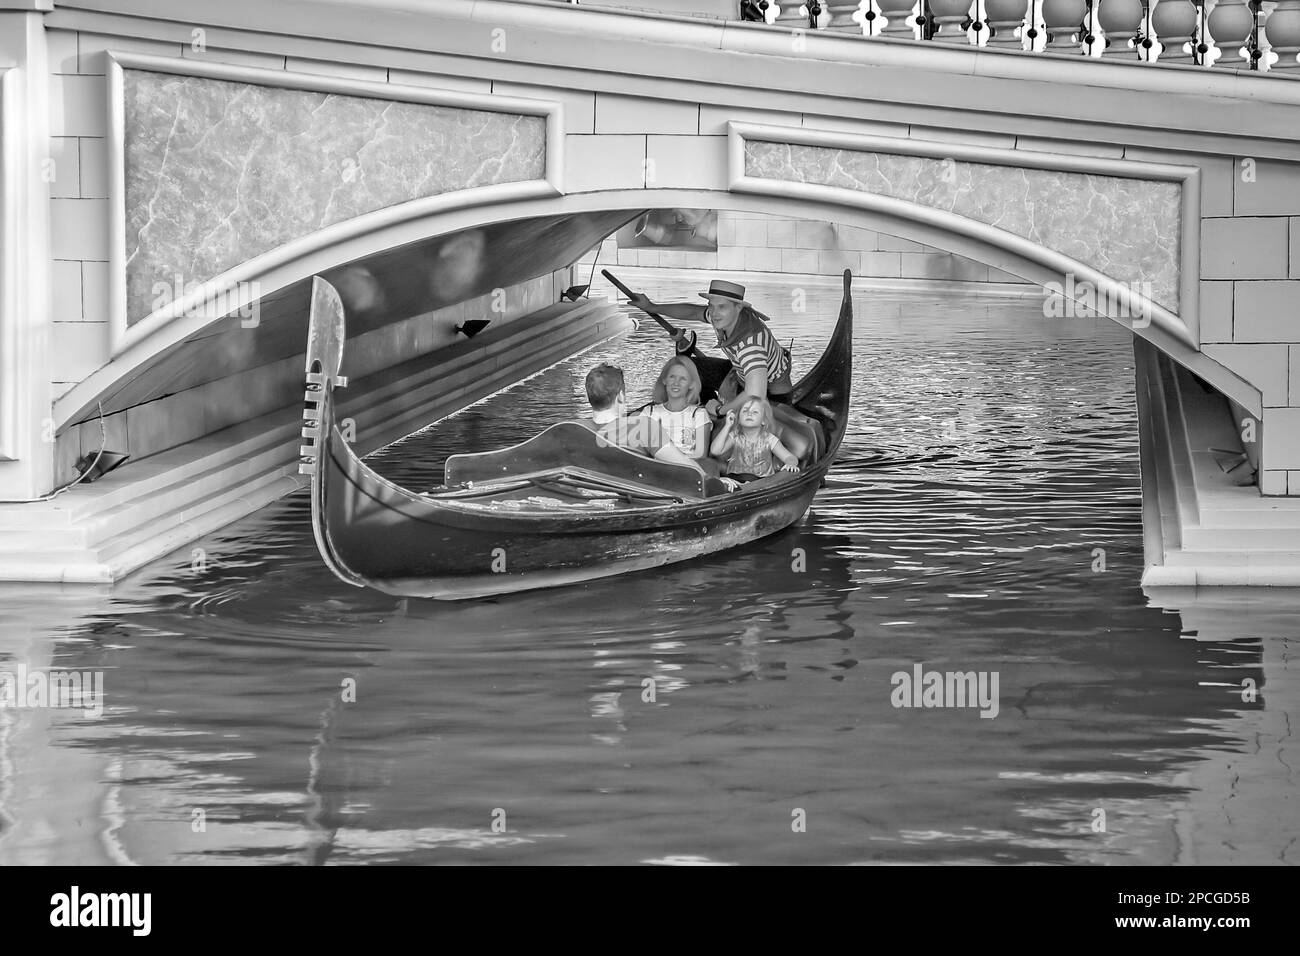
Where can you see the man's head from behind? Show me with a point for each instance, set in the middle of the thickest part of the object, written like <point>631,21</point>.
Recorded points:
<point>604,386</point>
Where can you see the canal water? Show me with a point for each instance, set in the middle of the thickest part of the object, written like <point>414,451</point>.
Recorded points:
<point>984,517</point>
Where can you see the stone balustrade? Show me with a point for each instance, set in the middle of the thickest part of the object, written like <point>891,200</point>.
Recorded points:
<point>1227,34</point>
<point>1261,35</point>
<point>1224,34</point>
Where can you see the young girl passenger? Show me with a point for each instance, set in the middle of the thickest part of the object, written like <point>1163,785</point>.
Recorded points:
<point>749,439</point>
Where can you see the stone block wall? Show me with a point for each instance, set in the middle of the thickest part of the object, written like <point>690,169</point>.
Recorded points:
<point>1250,299</point>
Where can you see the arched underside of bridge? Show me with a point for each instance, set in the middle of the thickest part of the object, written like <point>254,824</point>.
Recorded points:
<point>471,211</point>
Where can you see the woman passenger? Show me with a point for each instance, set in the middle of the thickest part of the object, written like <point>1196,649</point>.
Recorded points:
<point>676,407</point>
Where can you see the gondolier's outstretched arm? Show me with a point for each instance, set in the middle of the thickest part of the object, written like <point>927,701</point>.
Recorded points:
<point>682,311</point>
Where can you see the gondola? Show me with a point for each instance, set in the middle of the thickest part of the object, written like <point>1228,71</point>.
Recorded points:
<point>562,507</point>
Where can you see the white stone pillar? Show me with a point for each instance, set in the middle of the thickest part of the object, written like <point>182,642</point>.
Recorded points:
<point>950,15</point>
<point>1231,23</point>
<point>1063,19</point>
<point>842,20</point>
<point>1122,21</point>
<point>1175,25</point>
<point>897,14</point>
<point>792,14</point>
<point>1283,26</point>
<point>26,432</point>
<point>1006,17</point>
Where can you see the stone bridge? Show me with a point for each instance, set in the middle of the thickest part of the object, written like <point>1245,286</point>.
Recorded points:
<point>176,171</point>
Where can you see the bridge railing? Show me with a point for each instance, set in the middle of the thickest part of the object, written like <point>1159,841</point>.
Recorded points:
<point>1260,35</point>
<point>1227,34</point>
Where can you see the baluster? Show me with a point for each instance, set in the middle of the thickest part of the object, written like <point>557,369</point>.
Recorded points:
<point>1283,27</point>
<point>896,13</point>
<point>1062,20</point>
<point>1005,17</point>
<point>753,11</point>
<point>1232,23</point>
<point>1122,20</point>
<point>788,13</point>
<point>951,17</point>
<point>1174,22</point>
<point>842,17</point>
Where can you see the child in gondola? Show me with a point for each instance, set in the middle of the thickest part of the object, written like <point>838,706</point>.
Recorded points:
<point>750,442</point>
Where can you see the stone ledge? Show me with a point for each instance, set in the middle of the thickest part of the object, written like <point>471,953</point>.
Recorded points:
<point>1211,575</point>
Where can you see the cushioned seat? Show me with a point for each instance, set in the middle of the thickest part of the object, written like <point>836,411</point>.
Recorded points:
<point>790,420</point>
<point>573,445</point>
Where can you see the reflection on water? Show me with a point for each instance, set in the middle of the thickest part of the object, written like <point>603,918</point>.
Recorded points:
<point>258,710</point>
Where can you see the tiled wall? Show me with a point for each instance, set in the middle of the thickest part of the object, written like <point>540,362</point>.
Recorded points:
<point>77,172</point>
<point>754,242</point>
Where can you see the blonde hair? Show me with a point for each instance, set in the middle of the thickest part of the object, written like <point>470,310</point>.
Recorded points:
<point>660,394</point>
<point>765,408</point>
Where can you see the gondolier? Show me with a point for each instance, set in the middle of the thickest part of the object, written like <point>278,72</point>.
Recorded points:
<point>759,365</point>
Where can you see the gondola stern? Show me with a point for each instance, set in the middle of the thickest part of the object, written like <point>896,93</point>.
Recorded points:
<point>825,391</point>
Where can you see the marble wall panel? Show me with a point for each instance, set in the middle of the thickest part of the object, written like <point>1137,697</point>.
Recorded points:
<point>218,172</point>
<point>1128,229</point>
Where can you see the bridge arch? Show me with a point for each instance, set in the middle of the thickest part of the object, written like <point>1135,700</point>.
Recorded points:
<point>474,209</point>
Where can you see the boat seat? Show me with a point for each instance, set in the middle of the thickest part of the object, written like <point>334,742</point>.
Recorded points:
<point>790,420</point>
<point>569,444</point>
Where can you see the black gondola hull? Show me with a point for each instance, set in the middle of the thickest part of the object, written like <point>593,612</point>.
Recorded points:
<point>417,548</point>
<point>452,545</point>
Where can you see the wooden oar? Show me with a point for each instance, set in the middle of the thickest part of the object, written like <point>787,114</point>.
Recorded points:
<point>668,326</point>
<point>664,323</point>
<point>712,370</point>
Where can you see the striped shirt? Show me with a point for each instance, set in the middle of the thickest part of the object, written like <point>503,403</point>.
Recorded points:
<point>751,345</point>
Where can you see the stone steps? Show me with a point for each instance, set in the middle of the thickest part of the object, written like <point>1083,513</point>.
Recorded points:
<point>55,565</point>
<point>132,551</point>
<point>1212,531</point>
<point>1285,537</point>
